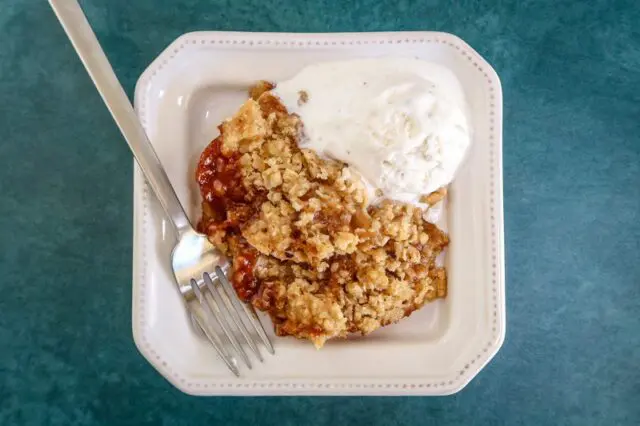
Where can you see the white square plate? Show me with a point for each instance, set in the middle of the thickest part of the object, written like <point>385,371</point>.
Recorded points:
<point>202,78</point>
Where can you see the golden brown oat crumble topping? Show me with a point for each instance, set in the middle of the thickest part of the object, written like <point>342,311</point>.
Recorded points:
<point>304,246</point>
<point>435,197</point>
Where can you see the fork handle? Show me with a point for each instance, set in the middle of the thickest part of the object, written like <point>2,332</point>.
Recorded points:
<point>88,48</point>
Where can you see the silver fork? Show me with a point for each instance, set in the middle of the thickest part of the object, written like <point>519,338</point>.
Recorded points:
<point>197,265</point>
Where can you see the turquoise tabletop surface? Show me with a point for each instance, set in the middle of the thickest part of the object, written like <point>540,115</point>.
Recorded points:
<point>571,78</point>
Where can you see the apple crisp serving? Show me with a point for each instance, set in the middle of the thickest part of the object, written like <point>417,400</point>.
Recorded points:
<point>304,244</point>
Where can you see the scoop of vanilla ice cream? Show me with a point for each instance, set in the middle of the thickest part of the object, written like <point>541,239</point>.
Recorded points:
<point>400,123</point>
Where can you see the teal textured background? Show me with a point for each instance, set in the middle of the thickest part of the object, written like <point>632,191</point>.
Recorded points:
<point>571,78</point>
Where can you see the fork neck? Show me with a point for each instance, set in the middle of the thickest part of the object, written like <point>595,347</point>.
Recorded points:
<point>180,222</point>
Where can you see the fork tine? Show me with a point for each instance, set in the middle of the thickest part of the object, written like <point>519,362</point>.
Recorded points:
<point>229,361</point>
<point>249,311</point>
<point>195,325</point>
<point>225,325</point>
<point>232,310</point>
<point>211,305</point>
<point>211,336</point>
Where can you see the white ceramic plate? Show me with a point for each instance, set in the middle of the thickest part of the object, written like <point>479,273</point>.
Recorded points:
<point>202,78</point>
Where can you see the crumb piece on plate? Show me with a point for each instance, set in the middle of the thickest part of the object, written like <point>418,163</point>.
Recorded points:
<point>303,97</point>
<point>435,197</point>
